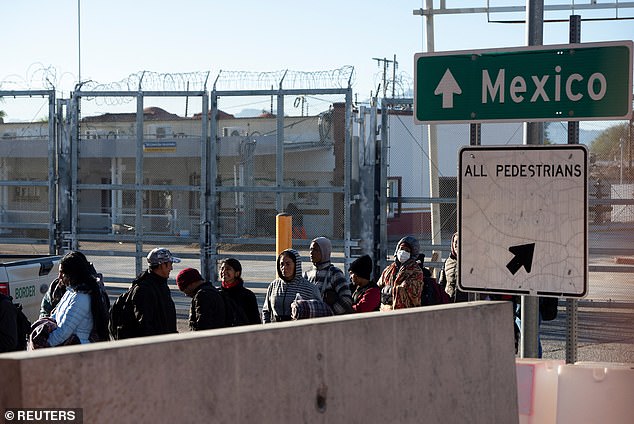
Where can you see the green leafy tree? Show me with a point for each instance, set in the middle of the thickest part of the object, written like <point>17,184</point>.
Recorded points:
<point>606,146</point>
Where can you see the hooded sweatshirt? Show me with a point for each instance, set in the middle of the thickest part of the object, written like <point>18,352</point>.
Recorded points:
<point>281,293</point>
<point>330,280</point>
<point>449,274</point>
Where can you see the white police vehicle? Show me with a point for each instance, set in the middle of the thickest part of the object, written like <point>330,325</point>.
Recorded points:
<point>26,279</point>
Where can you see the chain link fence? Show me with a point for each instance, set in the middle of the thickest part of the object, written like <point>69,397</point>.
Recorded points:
<point>27,190</point>
<point>283,160</point>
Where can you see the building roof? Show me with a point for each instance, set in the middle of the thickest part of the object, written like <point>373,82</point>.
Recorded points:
<point>221,115</point>
<point>151,113</point>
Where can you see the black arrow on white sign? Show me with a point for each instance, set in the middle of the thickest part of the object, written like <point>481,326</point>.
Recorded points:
<point>523,257</point>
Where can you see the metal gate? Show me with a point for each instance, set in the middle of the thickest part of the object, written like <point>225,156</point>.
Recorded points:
<point>132,180</point>
<point>207,185</point>
<point>284,160</point>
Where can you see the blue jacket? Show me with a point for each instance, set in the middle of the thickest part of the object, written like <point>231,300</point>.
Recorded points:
<point>73,315</point>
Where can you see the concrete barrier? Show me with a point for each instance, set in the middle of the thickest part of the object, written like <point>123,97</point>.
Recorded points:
<point>440,364</point>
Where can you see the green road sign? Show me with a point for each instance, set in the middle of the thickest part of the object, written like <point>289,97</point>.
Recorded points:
<point>569,82</point>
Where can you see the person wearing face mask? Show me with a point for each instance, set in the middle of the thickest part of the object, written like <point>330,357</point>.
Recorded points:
<point>401,282</point>
<point>283,291</point>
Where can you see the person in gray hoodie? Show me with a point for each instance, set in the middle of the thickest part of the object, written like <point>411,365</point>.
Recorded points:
<point>330,280</point>
<point>284,289</point>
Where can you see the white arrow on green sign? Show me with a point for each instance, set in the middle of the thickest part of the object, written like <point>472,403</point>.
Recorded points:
<point>569,82</point>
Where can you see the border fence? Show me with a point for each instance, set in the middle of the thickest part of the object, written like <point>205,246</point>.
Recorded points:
<point>115,183</point>
<point>209,184</point>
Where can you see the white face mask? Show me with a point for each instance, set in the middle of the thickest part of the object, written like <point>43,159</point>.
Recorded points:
<point>402,256</point>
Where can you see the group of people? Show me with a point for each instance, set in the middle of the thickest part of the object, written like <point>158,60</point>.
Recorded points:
<point>76,308</point>
<point>324,290</point>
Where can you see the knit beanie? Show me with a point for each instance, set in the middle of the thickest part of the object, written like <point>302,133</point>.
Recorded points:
<point>186,277</point>
<point>362,267</point>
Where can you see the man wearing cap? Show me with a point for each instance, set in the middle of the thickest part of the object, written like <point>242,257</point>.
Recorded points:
<point>208,308</point>
<point>154,308</point>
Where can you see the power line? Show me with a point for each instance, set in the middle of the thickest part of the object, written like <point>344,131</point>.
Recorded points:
<point>386,64</point>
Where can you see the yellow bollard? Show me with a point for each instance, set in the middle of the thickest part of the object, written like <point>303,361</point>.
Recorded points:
<point>283,232</point>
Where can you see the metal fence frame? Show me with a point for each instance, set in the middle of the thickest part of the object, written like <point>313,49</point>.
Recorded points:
<point>70,137</point>
<point>66,235</point>
<point>49,184</point>
<point>280,188</point>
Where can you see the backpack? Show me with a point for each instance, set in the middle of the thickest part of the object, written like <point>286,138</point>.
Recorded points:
<point>548,308</point>
<point>433,293</point>
<point>122,323</point>
<point>24,326</point>
<point>234,314</point>
<point>22,323</point>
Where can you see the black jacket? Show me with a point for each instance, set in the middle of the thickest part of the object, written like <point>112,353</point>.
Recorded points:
<point>246,299</point>
<point>207,310</point>
<point>154,308</point>
<point>8,325</point>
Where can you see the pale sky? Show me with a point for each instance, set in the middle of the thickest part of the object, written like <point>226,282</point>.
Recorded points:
<point>120,38</point>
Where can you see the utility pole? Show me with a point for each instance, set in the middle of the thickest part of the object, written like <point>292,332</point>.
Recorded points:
<point>394,75</point>
<point>78,41</point>
<point>386,64</point>
<point>533,135</point>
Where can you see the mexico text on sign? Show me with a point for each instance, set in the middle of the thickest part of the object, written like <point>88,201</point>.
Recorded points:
<point>522,219</point>
<point>568,82</point>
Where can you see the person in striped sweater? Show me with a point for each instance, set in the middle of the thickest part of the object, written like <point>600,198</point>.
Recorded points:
<point>329,279</point>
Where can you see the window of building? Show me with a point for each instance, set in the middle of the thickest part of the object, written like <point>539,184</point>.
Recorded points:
<point>27,193</point>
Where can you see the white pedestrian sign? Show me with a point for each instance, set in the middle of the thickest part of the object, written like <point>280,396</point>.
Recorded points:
<point>522,220</point>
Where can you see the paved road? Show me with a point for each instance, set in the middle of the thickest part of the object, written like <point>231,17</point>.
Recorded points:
<point>604,335</point>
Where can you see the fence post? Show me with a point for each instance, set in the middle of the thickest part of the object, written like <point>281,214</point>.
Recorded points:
<point>572,317</point>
